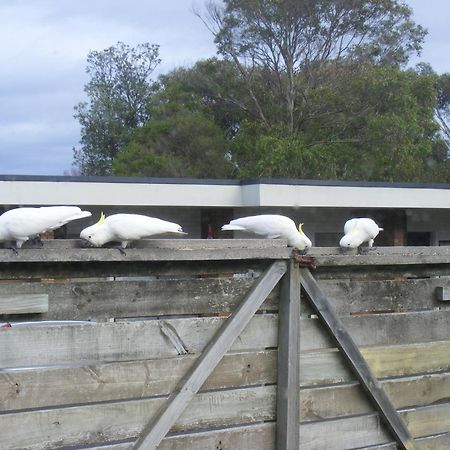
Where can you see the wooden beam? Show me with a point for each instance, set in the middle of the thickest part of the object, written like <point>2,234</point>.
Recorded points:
<point>288,361</point>
<point>160,425</point>
<point>23,304</point>
<point>357,362</point>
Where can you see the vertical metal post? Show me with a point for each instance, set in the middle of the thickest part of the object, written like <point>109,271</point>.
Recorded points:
<point>288,392</point>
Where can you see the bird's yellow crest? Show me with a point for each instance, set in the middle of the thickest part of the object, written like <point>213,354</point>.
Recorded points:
<point>102,218</point>
<point>300,225</point>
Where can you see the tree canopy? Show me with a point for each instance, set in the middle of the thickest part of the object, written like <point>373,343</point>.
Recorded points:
<point>118,93</point>
<point>303,89</point>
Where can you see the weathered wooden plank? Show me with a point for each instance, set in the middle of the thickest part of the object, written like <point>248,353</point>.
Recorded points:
<point>328,366</point>
<point>349,399</point>
<point>436,442</point>
<point>381,329</point>
<point>80,425</point>
<point>123,341</point>
<point>101,300</point>
<point>57,386</point>
<point>159,253</point>
<point>23,303</point>
<point>288,361</point>
<point>384,256</point>
<point>50,386</point>
<point>129,340</point>
<point>167,244</point>
<point>160,425</point>
<point>406,251</point>
<point>349,297</point>
<point>103,269</point>
<point>380,272</point>
<point>443,292</point>
<point>260,436</point>
<point>357,362</point>
<point>366,430</point>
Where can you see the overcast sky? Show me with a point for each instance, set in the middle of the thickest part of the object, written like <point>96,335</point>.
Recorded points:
<point>43,60</point>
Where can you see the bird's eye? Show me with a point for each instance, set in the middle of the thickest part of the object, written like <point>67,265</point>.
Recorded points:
<point>90,237</point>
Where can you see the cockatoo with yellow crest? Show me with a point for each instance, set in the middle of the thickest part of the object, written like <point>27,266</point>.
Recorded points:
<point>20,224</point>
<point>359,230</point>
<point>272,226</point>
<point>125,228</point>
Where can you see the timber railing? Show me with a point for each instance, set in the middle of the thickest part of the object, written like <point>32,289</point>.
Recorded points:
<point>200,344</point>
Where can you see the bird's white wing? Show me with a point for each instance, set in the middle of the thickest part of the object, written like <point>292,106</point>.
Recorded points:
<point>136,226</point>
<point>57,216</point>
<point>350,225</point>
<point>269,225</point>
<point>22,222</point>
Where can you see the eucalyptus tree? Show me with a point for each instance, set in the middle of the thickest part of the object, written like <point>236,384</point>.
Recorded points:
<point>281,47</point>
<point>118,94</point>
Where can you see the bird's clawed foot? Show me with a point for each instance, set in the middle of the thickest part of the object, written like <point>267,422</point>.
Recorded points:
<point>14,250</point>
<point>37,240</point>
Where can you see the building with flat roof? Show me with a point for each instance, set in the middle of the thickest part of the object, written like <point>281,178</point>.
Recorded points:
<point>411,214</point>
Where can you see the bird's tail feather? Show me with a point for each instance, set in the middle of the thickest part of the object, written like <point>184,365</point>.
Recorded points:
<point>232,228</point>
<point>380,229</point>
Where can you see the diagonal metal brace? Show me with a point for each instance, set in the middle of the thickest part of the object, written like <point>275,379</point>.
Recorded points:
<point>160,425</point>
<point>351,352</point>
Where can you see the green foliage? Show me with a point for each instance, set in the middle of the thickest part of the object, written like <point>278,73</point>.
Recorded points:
<point>280,47</point>
<point>306,89</point>
<point>118,94</point>
<point>188,144</point>
<point>375,125</point>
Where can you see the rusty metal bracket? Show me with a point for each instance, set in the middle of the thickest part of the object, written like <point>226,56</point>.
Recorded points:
<point>304,260</point>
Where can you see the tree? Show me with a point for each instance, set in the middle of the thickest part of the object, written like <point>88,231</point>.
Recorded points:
<point>443,105</point>
<point>186,144</point>
<point>118,94</point>
<point>280,47</point>
<point>382,127</point>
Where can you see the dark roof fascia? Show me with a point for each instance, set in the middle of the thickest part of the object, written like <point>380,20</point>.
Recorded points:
<point>223,182</point>
<point>108,179</point>
<point>376,184</point>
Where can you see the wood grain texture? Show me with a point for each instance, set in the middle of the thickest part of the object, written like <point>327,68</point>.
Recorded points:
<point>79,425</point>
<point>350,297</point>
<point>288,360</point>
<point>349,399</point>
<point>123,341</point>
<point>381,329</point>
<point>356,361</point>
<point>57,386</point>
<point>159,426</point>
<point>366,430</point>
<point>23,303</point>
<point>121,380</point>
<point>101,300</point>
<point>328,366</point>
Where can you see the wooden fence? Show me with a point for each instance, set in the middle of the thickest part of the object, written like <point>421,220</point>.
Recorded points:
<point>208,344</point>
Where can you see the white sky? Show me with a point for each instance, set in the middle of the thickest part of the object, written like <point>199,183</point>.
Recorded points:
<point>43,60</point>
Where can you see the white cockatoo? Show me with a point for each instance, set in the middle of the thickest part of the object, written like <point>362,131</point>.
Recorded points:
<point>20,224</point>
<point>360,230</point>
<point>125,228</point>
<point>272,226</point>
